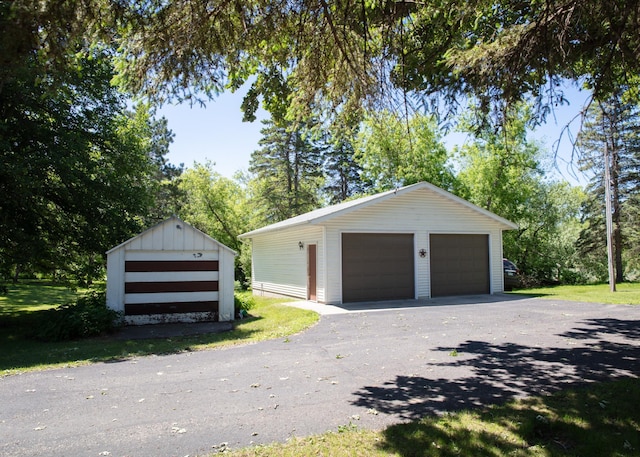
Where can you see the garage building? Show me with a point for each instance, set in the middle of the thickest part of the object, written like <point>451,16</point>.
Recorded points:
<point>172,272</point>
<point>415,242</point>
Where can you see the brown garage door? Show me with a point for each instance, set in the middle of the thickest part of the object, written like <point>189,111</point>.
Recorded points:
<point>459,264</point>
<point>377,266</point>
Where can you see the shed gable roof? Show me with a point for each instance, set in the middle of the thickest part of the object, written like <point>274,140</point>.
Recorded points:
<point>329,212</point>
<point>170,221</point>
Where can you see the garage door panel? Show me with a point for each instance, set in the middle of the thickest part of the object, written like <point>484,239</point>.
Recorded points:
<point>459,264</point>
<point>377,266</point>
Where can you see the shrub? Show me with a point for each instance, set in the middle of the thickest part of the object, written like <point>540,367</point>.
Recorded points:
<point>243,303</point>
<point>572,277</point>
<point>88,317</point>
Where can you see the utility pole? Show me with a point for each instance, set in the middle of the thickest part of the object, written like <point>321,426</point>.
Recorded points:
<point>608,212</point>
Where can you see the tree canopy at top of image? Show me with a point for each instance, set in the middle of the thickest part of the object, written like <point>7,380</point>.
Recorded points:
<point>337,54</point>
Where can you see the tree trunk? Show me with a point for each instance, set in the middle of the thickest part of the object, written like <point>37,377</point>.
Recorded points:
<point>608,215</point>
<point>615,201</point>
<point>16,274</point>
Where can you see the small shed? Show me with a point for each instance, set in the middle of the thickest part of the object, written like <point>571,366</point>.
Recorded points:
<point>171,272</point>
<point>414,242</point>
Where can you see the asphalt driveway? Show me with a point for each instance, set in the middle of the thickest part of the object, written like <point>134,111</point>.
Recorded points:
<point>368,368</point>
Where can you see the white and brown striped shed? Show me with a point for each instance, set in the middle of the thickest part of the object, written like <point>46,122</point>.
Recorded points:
<point>171,272</point>
<point>415,242</point>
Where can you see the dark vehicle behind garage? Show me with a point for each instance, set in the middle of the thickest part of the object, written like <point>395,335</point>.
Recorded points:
<point>511,275</point>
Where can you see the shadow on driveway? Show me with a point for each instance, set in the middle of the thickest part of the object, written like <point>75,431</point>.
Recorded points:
<point>499,372</point>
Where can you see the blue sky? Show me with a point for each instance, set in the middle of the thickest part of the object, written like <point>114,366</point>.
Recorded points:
<point>217,133</point>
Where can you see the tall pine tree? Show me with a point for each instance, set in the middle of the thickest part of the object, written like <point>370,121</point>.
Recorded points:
<point>288,171</point>
<point>615,125</point>
<point>341,170</point>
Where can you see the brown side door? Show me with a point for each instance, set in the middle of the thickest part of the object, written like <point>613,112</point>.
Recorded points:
<point>459,264</point>
<point>377,266</point>
<point>311,272</point>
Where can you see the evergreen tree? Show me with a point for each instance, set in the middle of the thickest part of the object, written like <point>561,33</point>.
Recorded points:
<point>169,196</point>
<point>342,171</point>
<point>287,170</point>
<point>615,125</point>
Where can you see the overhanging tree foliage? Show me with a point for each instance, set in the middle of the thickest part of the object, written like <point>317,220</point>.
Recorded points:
<point>342,52</point>
<point>336,53</point>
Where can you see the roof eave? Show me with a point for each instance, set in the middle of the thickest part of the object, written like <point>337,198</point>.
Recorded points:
<point>269,229</point>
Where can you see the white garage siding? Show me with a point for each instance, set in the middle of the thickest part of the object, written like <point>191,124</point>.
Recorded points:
<point>420,209</point>
<point>280,267</point>
<point>171,273</point>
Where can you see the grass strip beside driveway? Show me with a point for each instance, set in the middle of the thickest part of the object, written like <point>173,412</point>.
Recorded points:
<point>21,311</point>
<point>626,293</point>
<point>597,420</point>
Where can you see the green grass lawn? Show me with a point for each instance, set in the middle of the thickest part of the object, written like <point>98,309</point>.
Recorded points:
<point>22,308</point>
<point>626,294</point>
<point>32,296</point>
<point>594,421</point>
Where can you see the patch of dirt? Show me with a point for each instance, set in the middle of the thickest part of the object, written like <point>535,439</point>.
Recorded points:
<point>155,331</point>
